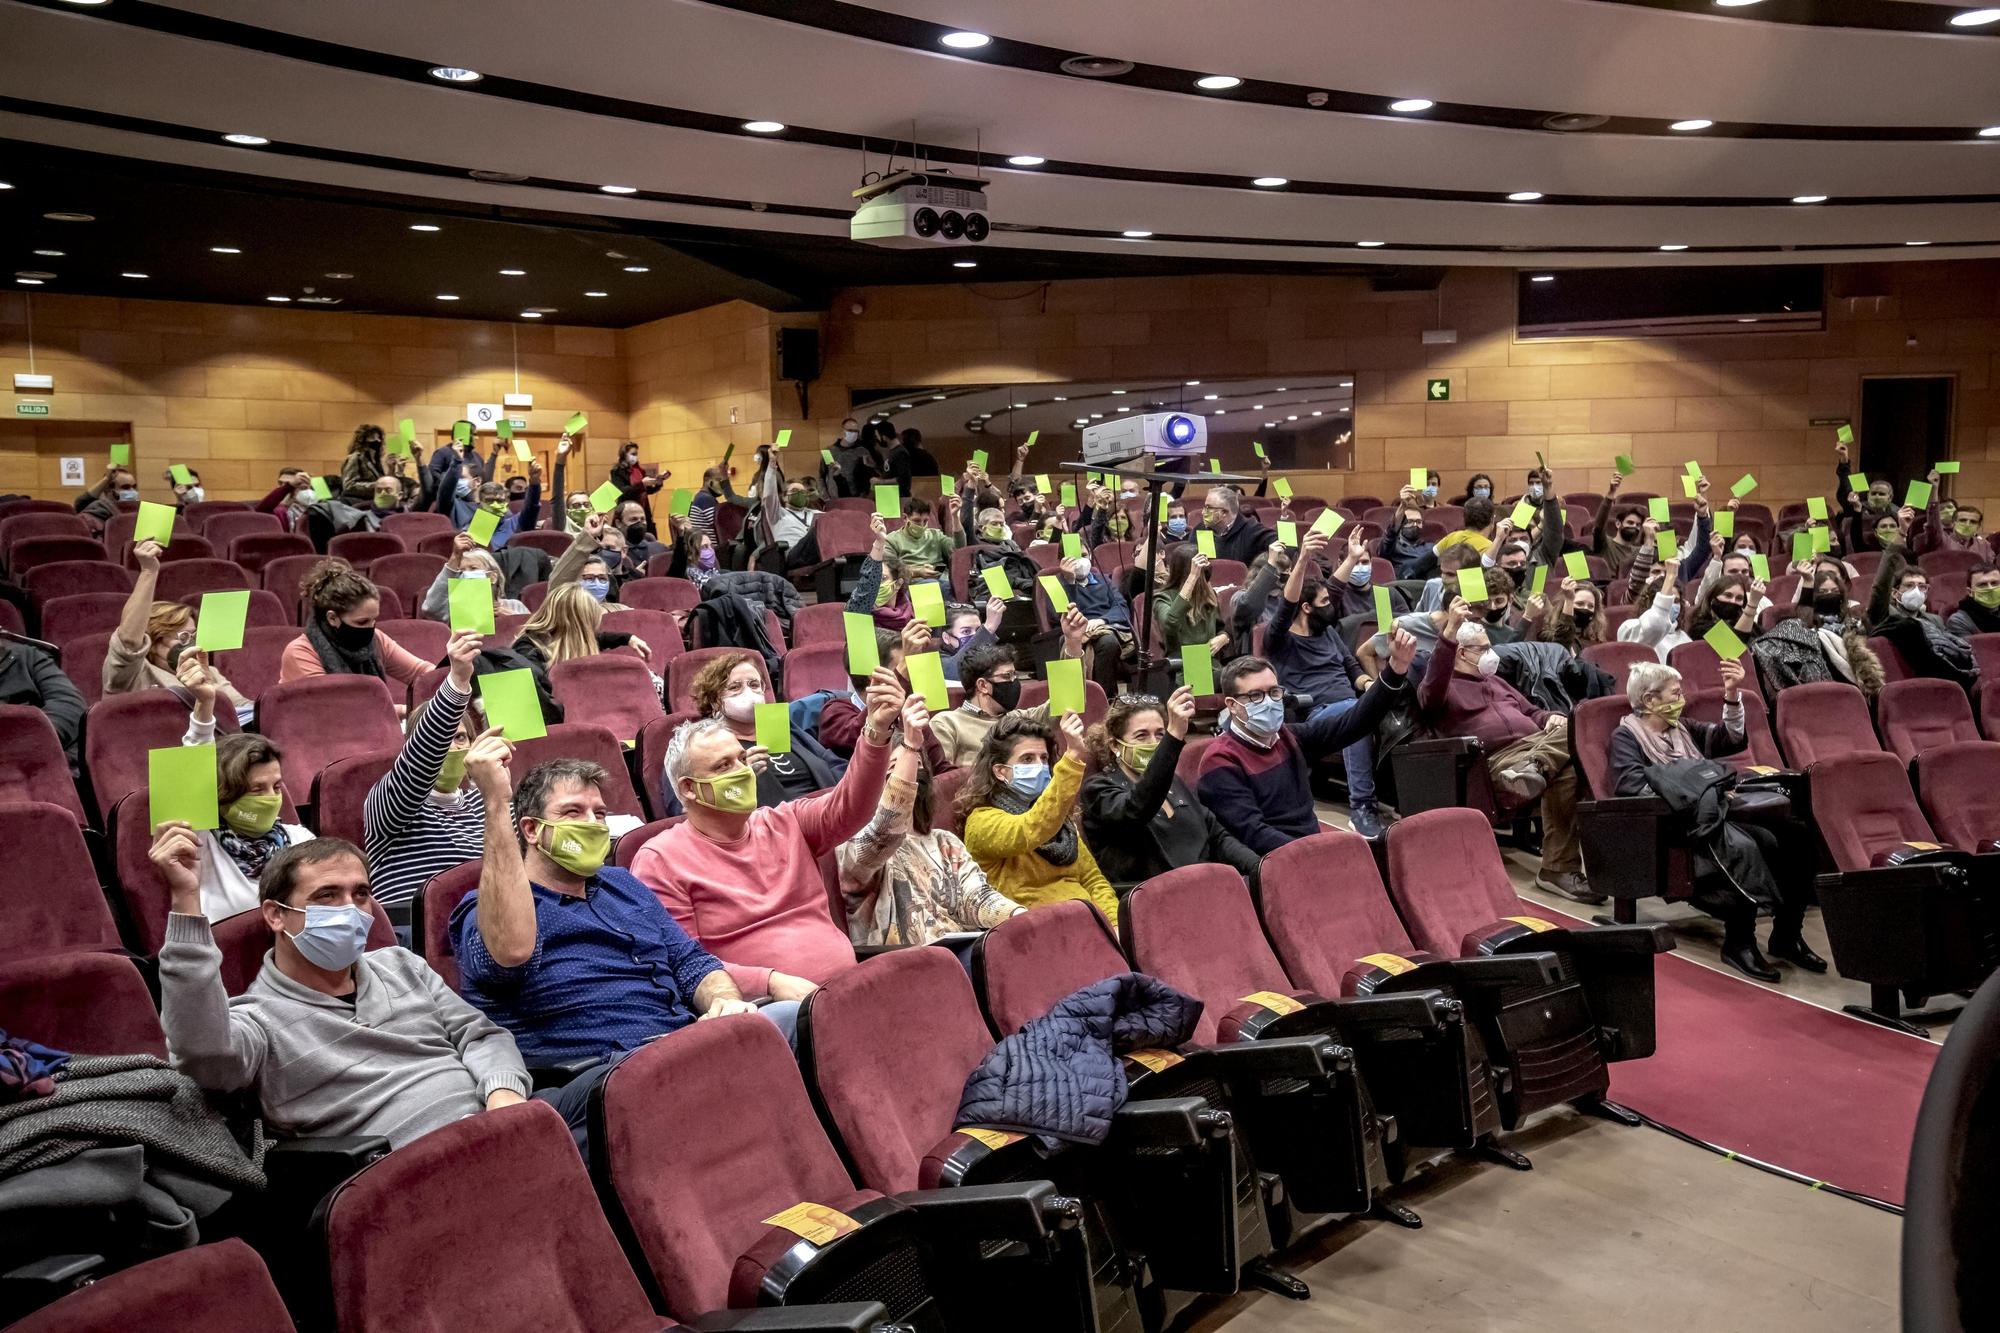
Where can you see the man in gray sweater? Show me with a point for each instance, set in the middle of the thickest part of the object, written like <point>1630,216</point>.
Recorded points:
<point>334,1040</point>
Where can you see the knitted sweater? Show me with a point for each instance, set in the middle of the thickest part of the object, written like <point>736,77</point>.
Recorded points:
<point>411,832</point>
<point>1007,847</point>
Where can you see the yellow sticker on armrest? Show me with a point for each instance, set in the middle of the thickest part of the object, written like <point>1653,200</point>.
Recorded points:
<point>1926,846</point>
<point>1276,1003</point>
<point>1155,1060</point>
<point>1533,923</point>
<point>1761,770</point>
<point>995,1139</point>
<point>1392,963</point>
<point>814,1222</point>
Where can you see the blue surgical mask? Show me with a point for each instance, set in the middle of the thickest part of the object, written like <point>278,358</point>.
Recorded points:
<point>1482,492</point>
<point>1177,527</point>
<point>1535,491</point>
<point>1263,718</point>
<point>465,486</point>
<point>599,589</point>
<point>1361,574</point>
<point>1028,780</point>
<point>333,936</point>
<point>1431,490</point>
<point>128,494</point>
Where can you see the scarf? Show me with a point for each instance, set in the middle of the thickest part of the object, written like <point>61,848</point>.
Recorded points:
<point>336,660</point>
<point>1987,621</point>
<point>251,855</point>
<point>1057,851</point>
<point>1660,747</point>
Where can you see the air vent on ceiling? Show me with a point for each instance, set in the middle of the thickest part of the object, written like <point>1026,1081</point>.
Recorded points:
<point>498,177</point>
<point>1570,121</point>
<point>1096,67</point>
<point>35,274</point>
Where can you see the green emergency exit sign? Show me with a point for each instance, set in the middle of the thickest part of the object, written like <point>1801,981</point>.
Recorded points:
<point>1438,390</point>
<point>31,409</point>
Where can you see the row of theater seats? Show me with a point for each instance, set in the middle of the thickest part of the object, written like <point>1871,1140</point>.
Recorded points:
<point>1349,1030</point>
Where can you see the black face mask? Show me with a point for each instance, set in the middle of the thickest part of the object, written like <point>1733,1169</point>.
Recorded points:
<point>635,534</point>
<point>1006,693</point>
<point>1729,611</point>
<point>1518,573</point>
<point>1582,618</point>
<point>1412,531</point>
<point>1829,603</point>
<point>1630,536</point>
<point>1494,615</point>
<point>1320,619</point>
<point>353,638</point>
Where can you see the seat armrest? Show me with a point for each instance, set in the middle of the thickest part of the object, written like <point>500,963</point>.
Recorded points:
<point>865,951</point>
<point>1168,1122</point>
<point>849,1317</point>
<point>1281,1057</point>
<point>1649,937</point>
<point>1512,969</point>
<point>318,1164</point>
<point>1434,745</point>
<point>558,1074</point>
<point>1023,1210</point>
<point>1425,1010</point>
<point>1624,805</point>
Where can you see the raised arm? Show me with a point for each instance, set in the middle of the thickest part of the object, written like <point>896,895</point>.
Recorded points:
<point>394,802</point>
<point>131,630</point>
<point>831,818</point>
<point>1327,732</point>
<point>506,907</point>
<point>218,1049</point>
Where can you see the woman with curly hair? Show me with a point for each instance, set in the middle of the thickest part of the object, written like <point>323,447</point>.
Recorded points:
<point>362,467</point>
<point>1020,814</point>
<point>341,638</point>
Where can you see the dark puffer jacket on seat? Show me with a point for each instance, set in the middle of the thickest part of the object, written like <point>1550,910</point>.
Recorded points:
<point>1060,1076</point>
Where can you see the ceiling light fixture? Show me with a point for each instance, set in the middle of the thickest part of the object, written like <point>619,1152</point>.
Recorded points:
<point>1210,397</point>
<point>1319,414</point>
<point>513,273</point>
<point>619,189</point>
<point>29,282</point>
<point>637,268</point>
<point>1736,4</point>
<point>1916,242</point>
<point>597,293</point>
<point>1673,247</point>
<point>1410,105</point>
<point>531,314</point>
<point>965,41</point>
<point>424,226</point>
<point>1059,398</point>
<point>1269,182</point>
<point>1370,245</point>
<point>135,275</point>
<point>6,185</point>
<point>1808,198</point>
<point>1136,235</point>
<point>1685,126</point>
<point>455,74</point>
<point>50,254</point>
<point>1193,384</point>
<point>1217,83</point>
<point>1990,132</point>
<point>246,140</point>
<point>1117,391</point>
<point>1543,277</point>
<point>1293,417</point>
<point>338,277</point>
<point>764,126</point>
<point>1347,384</point>
<point>87,3</point>
<point>938,398</point>
<point>1524,196</point>
<point>224,250</point>
<point>1025,160</point>
<point>446,296</point>
<point>1222,411</point>
<point>278,298</point>
<point>68,217</point>
<point>1971,18</point>
<point>965,263</point>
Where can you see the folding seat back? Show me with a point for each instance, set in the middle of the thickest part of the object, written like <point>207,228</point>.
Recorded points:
<point>609,690</point>
<point>202,512</point>
<point>67,578</point>
<point>409,574</point>
<point>342,793</point>
<point>319,719</point>
<point>507,1188</point>
<point>120,729</point>
<point>1865,809</point>
<point>218,1288</point>
<point>191,578</point>
<point>58,908</point>
<point>1446,878</point>
<point>1591,726</point>
<point>253,669</point>
<point>33,766</point>
<point>663,637</point>
<point>31,553</point>
<point>1323,906</point>
<point>430,917</point>
<point>1917,716</point>
<point>1958,787</point>
<point>438,544</point>
<point>1762,748</point>
<point>535,594</point>
<point>821,623</point>
<point>659,593</point>
<point>626,849</point>
<point>1823,720</point>
<point>1895,666</point>
<point>1027,963</point>
<point>554,544</point>
<point>682,670</point>
<point>584,740</point>
<point>24,527</point>
<point>1224,959</point>
<point>961,573</point>
<point>1701,667</point>
<point>1035,693</point>
<point>414,527</point>
<point>9,508</point>
<point>186,546</point>
<point>362,549</point>
<point>427,639</point>
<point>813,667</point>
<point>142,890</point>
<point>84,1003</point>
<point>1947,589</point>
<point>244,940</point>
<point>844,531</point>
<point>1986,652</point>
<point>1617,659</point>
<point>1112,558</point>
<point>259,551</point>
<point>83,662</point>
<point>1949,1279</point>
<point>224,528</point>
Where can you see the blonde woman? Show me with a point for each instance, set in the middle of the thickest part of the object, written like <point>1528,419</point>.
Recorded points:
<point>566,627</point>
<point>152,647</point>
<point>469,560</point>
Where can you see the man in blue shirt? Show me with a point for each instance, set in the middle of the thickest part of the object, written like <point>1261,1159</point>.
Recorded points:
<point>577,959</point>
<point>1108,621</point>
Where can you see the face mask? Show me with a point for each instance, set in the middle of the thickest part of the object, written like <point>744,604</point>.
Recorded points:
<point>1987,597</point>
<point>885,592</point>
<point>464,487</point>
<point>1535,490</point>
<point>578,513</point>
<point>1262,718</point>
<point>1877,501</point>
<point>1128,497</point>
<point>1006,693</point>
<point>131,493</point>
<point>1430,491</point>
<point>1727,611</point>
<point>635,534</point>
<point>994,532</point>
<point>598,589</point>
<point>1966,527</point>
<point>354,638</point>
<point>1913,599</point>
<point>849,436</point>
<point>333,936</point>
<point>252,816</point>
<point>304,498</point>
<point>517,497</point>
<point>1493,615</point>
<point>1630,536</point>
<point>193,495</point>
<point>1410,532</point>
<point>1360,575</point>
<point>1080,572</point>
<point>1829,603</point>
<point>579,846</point>
<point>1028,780</point>
<point>384,500</point>
<point>1887,537</point>
<point>742,706</point>
<point>1488,663</point>
<point>1320,619</point>
<point>733,793</point>
<point>1671,711</point>
<point>1746,551</point>
<point>1482,492</point>
<point>451,773</point>
<point>1582,618</point>
<point>1177,527</point>
<point>707,558</point>
<point>1118,526</point>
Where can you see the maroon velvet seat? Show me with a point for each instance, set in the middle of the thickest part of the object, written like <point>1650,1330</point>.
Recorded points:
<point>66,578</point>
<point>626,850</point>
<point>118,732</point>
<point>1958,787</point>
<point>819,623</point>
<point>652,749</point>
<point>342,790</point>
<point>1224,959</point>
<point>26,527</point>
<point>1617,659</point>
<point>962,577</point>
<point>426,639</point>
<point>218,1288</point>
<point>438,544</point>
<point>1863,806</point>
<point>1323,906</point>
<point>1095,705</point>
<point>202,512</point>
<point>9,508</point>
<point>583,740</point>
<point>554,544</point>
<point>319,719</point>
<point>414,527</point>
<point>285,574</point>
<point>31,553</point>
<point>1701,667</point>
<point>1440,908</point>
<point>264,611</point>
<point>1762,748</point>
<point>658,628</point>
<point>1917,716</point>
<point>59,908</point>
<point>83,662</point>
<point>258,551</point>
<point>812,667</point>
<point>609,690</point>
<point>1110,558</point>
<point>1823,720</point>
<point>244,939</point>
<point>534,595</point>
<point>253,668</point>
<point>190,578</point>
<point>410,574</point>
<point>33,766</point>
<point>222,529</point>
<point>362,549</point>
<point>467,1190</point>
<point>185,546</point>
<point>1895,666</point>
<point>659,594</point>
<point>1027,963</point>
<point>682,670</point>
<point>85,1003</point>
<point>431,916</point>
<point>78,614</point>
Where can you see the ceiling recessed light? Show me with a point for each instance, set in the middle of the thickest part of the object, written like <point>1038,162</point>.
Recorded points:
<point>1673,247</point>
<point>1319,414</point>
<point>513,273</point>
<point>1746,319</point>
<point>1808,198</point>
<point>764,126</point>
<point>29,282</point>
<point>1736,4</point>
<point>1971,18</point>
<point>531,314</point>
<point>965,41</point>
<point>224,250</point>
<point>1411,104</point>
<point>1216,83</point>
<point>597,293</point>
<point>1136,235</point>
<point>1270,425</point>
<point>1370,245</point>
<point>1524,196</point>
<point>1916,242</point>
<point>6,185</point>
<point>277,298</point>
<point>337,277</point>
<point>1020,404</point>
<point>246,140</point>
<point>446,296</point>
<point>1543,277</point>
<point>637,268</point>
<point>619,189</point>
<point>50,254</point>
<point>1193,384</point>
<point>1124,409</point>
<point>1990,132</point>
<point>1210,397</point>
<point>1025,160</point>
<point>1221,411</point>
<point>906,406</point>
<point>1686,126</point>
<point>87,3</point>
<point>135,275</point>
<point>455,74</point>
<point>1347,384</point>
<point>1059,398</point>
<point>965,263</point>
<point>69,217</point>
<point>1293,417</point>
<point>1256,407</point>
<point>1270,182</point>
<point>424,226</point>
<point>1117,391</point>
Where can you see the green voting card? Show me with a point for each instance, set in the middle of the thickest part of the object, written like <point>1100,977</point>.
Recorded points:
<point>888,501</point>
<point>219,625</point>
<point>1944,469</point>
<point>1069,495</point>
<point>1329,522</point>
<point>1760,566</point>
<point>826,457</point>
<point>1624,465</point>
<point>1472,584</point>
<point>181,475</point>
<point>946,485</point>
<point>1257,447</point>
<point>512,703</point>
<point>996,582</point>
<point>1723,639</point>
<point>1065,686</point>
<point>1033,435</point>
<point>927,602</point>
<point>121,455</point>
<point>784,440</point>
<point>396,444</point>
<point>1578,565</point>
<point>1694,469</point>
<point>1802,545</point>
<point>1283,486</point>
<point>1072,545</point>
<point>1919,495</point>
<point>1198,669</point>
<point>1204,542</point>
<point>604,499</point>
<point>1288,533</point>
<point>927,678</point>
<point>1385,611</point>
<point>1042,483</point>
<point>406,429</point>
<point>1725,522</point>
<point>1523,515</point>
<point>1669,545</point>
<point>863,656</point>
<point>979,459</point>
<point>1743,486</point>
<point>576,424</point>
<point>1816,507</point>
<point>1845,434</point>
<point>1215,466</point>
<point>1822,540</point>
<point>321,491</point>
<point>1058,595</point>
<point>504,429</point>
<point>682,501</point>
<point>1687,486</point>
<point>1420,477</point>
<point>522,451</point>
<point>774,727</point>
<point>1858,480</point>
<point>1540,583</point>
<point>471,605</point>
<point>461,433</point>
<point>484,523</point>
<point>1659,510</point>
<point>180,783</point>
<point>156,521</point>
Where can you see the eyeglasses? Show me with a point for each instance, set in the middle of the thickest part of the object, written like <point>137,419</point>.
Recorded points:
<point>1276,694</point>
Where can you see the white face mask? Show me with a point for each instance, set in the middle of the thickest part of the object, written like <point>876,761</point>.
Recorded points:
<point>850,436</point>
<point>1489,662</point>
<point>742,706</point>
<point>1913,599</point>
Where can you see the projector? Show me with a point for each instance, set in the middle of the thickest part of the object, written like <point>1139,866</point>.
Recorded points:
<point>907,209</point>
<point>1161,434</point>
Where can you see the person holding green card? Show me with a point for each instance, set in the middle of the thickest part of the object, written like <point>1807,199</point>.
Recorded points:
<point>1139,818</point>
<point>1899,610</point>
<point>926,546</point>
<point>1185,609</point>
<point>1021,818</point>
<point>1658,626</point>
<point>1947,526</point>
<point>148,648</point>
<point>731,689</point>
<point>249,794</point>
<point>1859,514</point>
<point>187,485</point>
<point>882,589</point>
<point>341,638</point>
<point>119,485</point>
<point>362,467</point>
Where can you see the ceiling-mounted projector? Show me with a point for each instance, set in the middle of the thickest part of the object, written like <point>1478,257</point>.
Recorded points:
<point>1161,434</point>
<point>914,208</point>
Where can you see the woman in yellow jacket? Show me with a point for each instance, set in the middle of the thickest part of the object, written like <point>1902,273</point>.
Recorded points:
<point>1021,819</point>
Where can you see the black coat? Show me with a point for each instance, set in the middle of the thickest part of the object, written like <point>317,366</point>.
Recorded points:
<point>30,676</point>
<point>1728,868</point>
<point>1133,841</point>
<point>1244,540</point>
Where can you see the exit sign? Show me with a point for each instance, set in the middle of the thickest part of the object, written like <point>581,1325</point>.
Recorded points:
<point>1437,390</point>
<point>31,409</point>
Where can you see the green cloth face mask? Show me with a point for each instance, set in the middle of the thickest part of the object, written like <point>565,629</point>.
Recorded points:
<point>1138,756</point>
<point>252,816</point>
<point>579,846</point>
<point>451,774</point>
<point>1987,597</point>
<point>734,792</point>
<point>1966,528</point>
<point>578,513</point>
<point>1670,712</point>
<point>384,500</point>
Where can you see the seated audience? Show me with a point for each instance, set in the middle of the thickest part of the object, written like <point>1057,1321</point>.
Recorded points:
<point>841,718</point>
<point>1238,535</point>
<point>469,560</point>
<point>189,492</point>
<point>1477,532</point>
<point>34,679</point>
<point>595,562</point>
<point>1403,545</point>
<point>1527,748</point>
<point>965,630</point>
<point>119,485</point>
<point>714,492</point>
<point>1659,625</point>
<point>785,513</point>
<point>1479,486</point>
<point>1424,625</point>
<point>341,638</point>
<point>290,498</point>
<point>1619,532</point>
<point>146,648</point>
<point>745,881</point>
<point>1734,563</point>
<point>925,549</point>
<point>362,467</point>
<point>1897,610</point>
<point>1823,639</point>
<point>1574,620</point>
<point>1729,601</point>
<point>729,688</point>
<point>1139,818</point>
<point>1978,611</point>
<point>421,818</point>
<point>250,795</point>
<point>566,628</point>
<point>1946,526</point>
<point>1748,864</point>
<point>1107,643</point>
<point>1185,610</point>
<point>882,590</point>
<point>332,1040</point>
<point>1256,775</point>
<point>1020,815</point>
